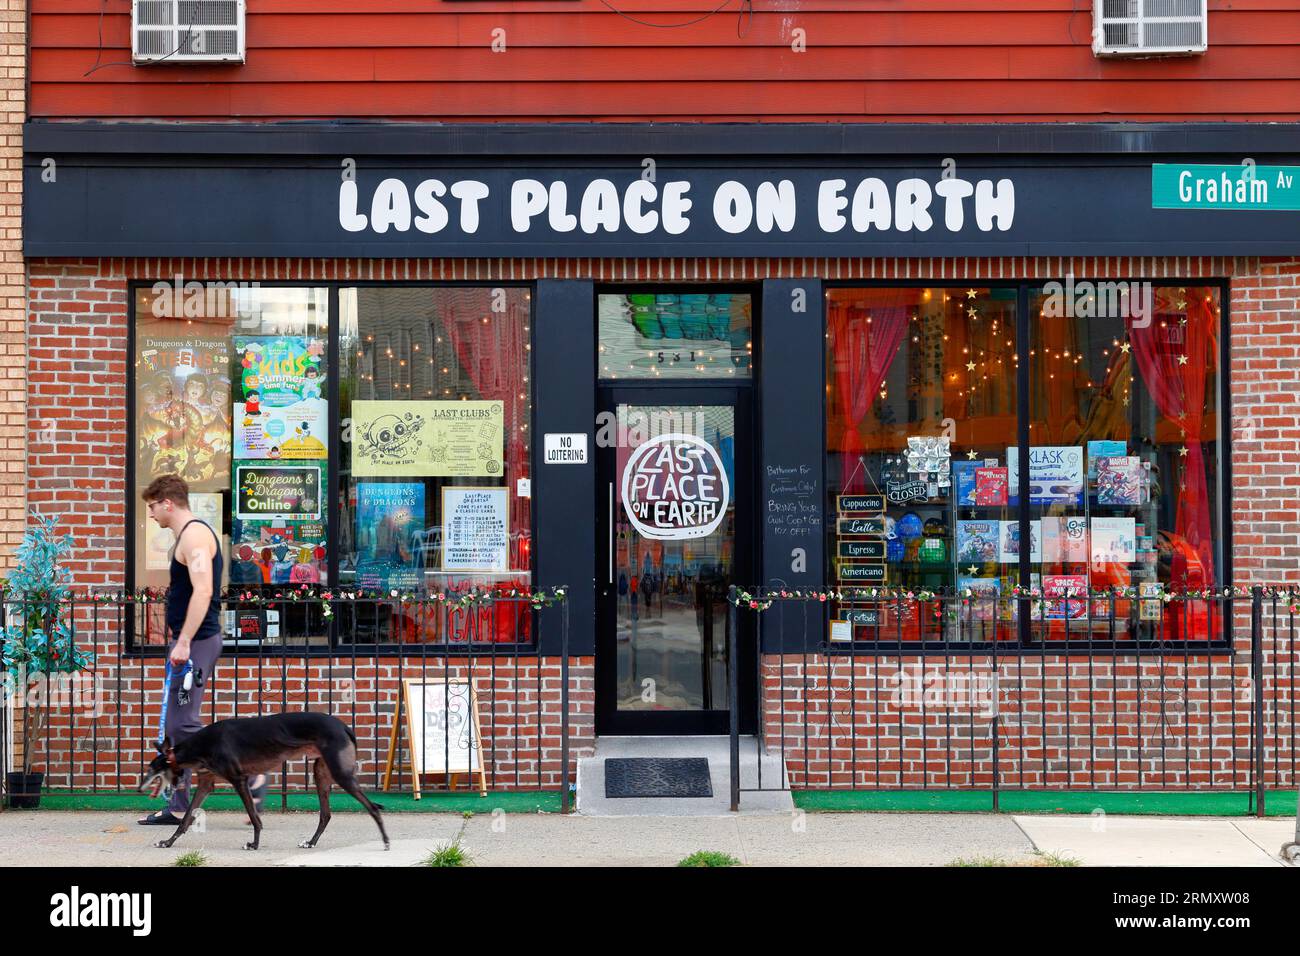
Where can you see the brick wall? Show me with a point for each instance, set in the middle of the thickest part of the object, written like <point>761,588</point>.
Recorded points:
<point>1062,723</point>
<point>78,394</point>
<point>13,412</point>
<point>1266,422</point>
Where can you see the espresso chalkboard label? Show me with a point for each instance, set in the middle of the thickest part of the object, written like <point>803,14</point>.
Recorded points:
<point>864,504</point>
<point>863,573</point>
<point>862,550</point>
<point>860,526</point>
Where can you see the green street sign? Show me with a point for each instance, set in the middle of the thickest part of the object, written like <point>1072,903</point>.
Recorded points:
<point>1274,188</point>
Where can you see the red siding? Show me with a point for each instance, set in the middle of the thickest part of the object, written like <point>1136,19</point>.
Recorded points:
<point>866,60</point>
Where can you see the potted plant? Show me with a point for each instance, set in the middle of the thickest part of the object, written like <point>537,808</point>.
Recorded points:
<point>36,641</point>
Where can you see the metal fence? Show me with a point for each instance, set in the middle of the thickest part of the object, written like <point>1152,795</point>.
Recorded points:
<point>875,689</point>
<point>90,725</point>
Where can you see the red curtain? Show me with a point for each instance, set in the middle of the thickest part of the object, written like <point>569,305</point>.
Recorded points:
<point>864,345</point>
<point>1178,389</point>
<point>491,348</point>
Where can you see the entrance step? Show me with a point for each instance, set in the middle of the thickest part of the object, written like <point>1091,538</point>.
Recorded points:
<point>591,778</point>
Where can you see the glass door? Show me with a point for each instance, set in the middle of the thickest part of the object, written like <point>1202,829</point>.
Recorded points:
<point>677,530</point>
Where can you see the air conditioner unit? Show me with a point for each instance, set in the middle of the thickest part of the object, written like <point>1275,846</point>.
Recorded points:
<point>187,31</point>
<point>1148,27</point>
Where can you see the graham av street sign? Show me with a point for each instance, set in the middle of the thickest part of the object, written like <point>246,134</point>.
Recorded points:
<point>1247,186</point>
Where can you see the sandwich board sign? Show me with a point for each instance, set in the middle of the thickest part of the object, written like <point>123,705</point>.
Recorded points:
<point>442,730</point>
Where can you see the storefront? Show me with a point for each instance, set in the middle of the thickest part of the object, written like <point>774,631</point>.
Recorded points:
<point>648,364</point>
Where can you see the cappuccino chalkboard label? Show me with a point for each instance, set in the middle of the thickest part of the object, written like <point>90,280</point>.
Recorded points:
<point>855,504</point>
<point>860,526</point>
<point>863,573</point>
<point>862,550</point>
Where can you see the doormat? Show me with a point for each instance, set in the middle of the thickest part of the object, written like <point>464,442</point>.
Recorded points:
<point>657,777</point>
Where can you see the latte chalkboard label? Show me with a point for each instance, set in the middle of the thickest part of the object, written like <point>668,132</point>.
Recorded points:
<point>862,550</point>
<point>864,504</point>
<point>860,526</point>
<point>863,573</point>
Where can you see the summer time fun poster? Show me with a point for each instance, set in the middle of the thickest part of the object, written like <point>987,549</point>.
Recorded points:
<point>281,412</point>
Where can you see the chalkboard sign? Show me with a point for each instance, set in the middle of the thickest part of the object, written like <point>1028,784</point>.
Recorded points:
<point>854,504</point>
<point>862,573</point>
<point>792,501</point>
<point>860,526</point>
<point>862,550</point>
<point>442,728</point>
<point>864,617</point>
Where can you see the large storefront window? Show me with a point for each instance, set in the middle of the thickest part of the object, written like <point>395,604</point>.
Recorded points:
<point>436,404</point>
<point>230,395</point>
<point>921,411</point>
<point>1123,451</point>
<point>923,458</point>
<point>430,445</point>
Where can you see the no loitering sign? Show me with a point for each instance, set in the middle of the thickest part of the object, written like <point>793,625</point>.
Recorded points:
<point>564,449</point>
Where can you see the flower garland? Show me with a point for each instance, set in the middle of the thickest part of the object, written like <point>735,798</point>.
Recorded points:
<point>328,597</point>
<point>762,601</point>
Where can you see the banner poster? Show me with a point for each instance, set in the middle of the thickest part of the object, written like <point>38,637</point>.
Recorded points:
<point>475,529</point>
<point>389,517</point>
<point>158,541</point>
<point>276,371</point>
<point>295,431</point>
<point>183,388</point>
<point>439,439</point>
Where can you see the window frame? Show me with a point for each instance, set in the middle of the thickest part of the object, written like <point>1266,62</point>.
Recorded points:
<point>1024,645</point>
<point>333,647</point>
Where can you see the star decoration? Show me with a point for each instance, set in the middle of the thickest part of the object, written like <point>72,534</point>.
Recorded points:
<point>1182,452</point>
<point>972,570</point>
<point>1126,401</point>
<point>1183,320</point>
<point>1124,347</point>
<point>1182,304</point>
<point>972,313</point>
<point>971,293</point>
<point>970,366</point>
<point>971,454</point>
<point>1182,360</point>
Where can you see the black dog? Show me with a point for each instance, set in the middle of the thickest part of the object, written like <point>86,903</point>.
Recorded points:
<point>235,750</point>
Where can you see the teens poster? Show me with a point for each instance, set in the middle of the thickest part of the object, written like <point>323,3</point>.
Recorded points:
<point>183,411</point>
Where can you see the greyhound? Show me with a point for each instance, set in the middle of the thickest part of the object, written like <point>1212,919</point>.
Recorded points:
<point>234,750</point>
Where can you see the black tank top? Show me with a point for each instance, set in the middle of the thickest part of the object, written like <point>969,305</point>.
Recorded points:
<point>181,590</point>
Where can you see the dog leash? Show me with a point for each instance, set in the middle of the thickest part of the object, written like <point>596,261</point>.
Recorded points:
<point>187,677</point>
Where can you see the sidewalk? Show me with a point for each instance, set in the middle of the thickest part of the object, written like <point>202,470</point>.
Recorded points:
<point>49,838</point>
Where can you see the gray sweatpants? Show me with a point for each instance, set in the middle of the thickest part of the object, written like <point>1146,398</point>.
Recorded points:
<point>184,720</point>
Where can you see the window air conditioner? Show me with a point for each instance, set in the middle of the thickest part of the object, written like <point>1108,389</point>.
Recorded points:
<point>1148,27</point>
<point>187,31</point>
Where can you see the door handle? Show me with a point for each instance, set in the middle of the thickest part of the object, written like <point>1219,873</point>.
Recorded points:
<point>611,532</point>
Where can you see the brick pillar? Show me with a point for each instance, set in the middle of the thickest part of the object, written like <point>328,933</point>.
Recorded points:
<point>13,283</point>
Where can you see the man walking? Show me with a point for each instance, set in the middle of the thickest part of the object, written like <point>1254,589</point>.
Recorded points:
<point>193,624</point>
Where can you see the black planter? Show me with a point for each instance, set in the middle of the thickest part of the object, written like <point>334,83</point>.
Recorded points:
<point>23,790</point>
